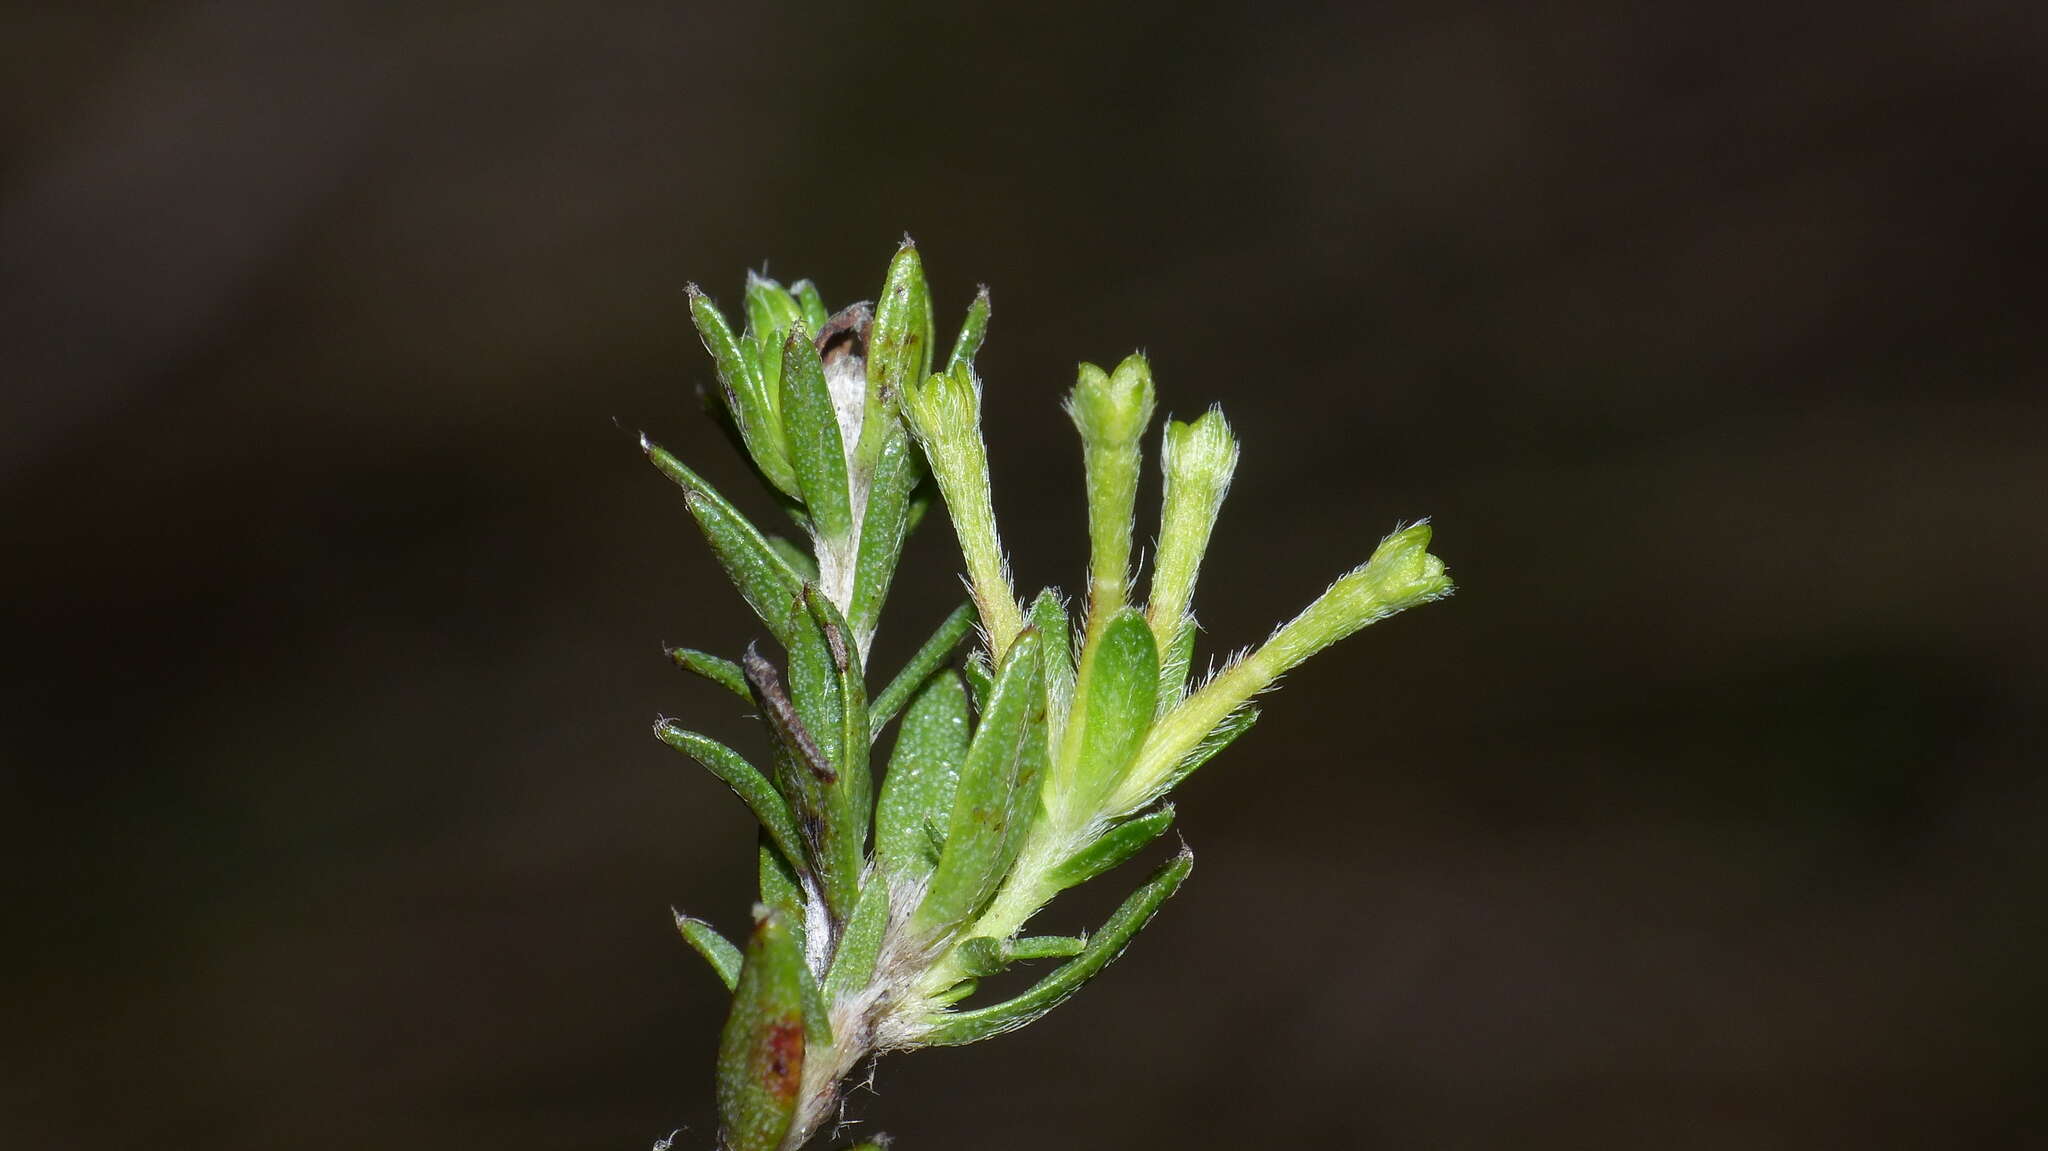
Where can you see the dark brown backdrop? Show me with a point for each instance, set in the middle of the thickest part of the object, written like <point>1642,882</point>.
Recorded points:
<point>1707,815</point>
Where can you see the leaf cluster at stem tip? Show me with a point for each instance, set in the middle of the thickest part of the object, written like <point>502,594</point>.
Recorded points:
<point>1035,761</point>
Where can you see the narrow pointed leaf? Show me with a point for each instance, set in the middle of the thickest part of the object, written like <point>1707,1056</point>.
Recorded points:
<point>1115,698</point>
<point>779,886</point>
<point>845,657</point>
<point>997,799</point>
<point>1173,670</point>
<point>749,400</point>
<point>850,797</point>
<point>973,330</point>
<point>981,957</point>
<point>957,992</point>
<point>1045,947</point>
<point>723,672</point>
<point>924,772</point>
<point>929,658</point>
<point>884,525</point>
<point>931,334</point>
<point>746,781</point>
<point>811,426</point>
<point>1049,616</point>
<point>854,963</point>
<point>812,304</point>
<point>718,951</point>
<point>805,776</point>
<point>1102,950</point>
<point>761,1052</point>
<point>814,681</point>
<point>818,694</point>
<point>980,681</point>
<point>1117,845</point>
<point>899,345</point>
<point>817,1016</point>
<point>763,578</point>
<point>729,356</point>
<point>790,733</point>
<point>770,312</point>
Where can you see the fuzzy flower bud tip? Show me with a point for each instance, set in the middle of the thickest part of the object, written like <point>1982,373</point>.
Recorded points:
<point>1113,408</point>
<point>1201,450</point>
<point>1401,574</point>
<point>1198,459</point>
<point>945,414</point>
<point>1110,410</point>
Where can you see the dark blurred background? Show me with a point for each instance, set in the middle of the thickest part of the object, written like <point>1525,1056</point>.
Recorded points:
<point>1707,815</point>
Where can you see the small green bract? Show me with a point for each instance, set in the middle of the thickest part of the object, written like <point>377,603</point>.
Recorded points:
<point>1036,762</point>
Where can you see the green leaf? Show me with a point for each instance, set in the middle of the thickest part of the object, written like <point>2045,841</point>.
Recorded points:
<point>924,772</point>
<point>818,693</point>
<point>899,345</point>
<point>747,396</point>
<point>723,957</point>
<point>1116,845</point>
<point>746,781</point>
<point>851,795</point>
<point>810,425</point>
<point>770,313</point>
<point>762,577</point>
<point>956,993</point>
<point>761,1051</point>
<point>980,681</point>
<point>1115,697</point>
<point>997,798</point>
<point>807,779</point>
<point>817,1018</point>
<point>787,728</point>
<point>1173,670</point>
<point>1103,948</point>
<point>723,672</point>
<point>928,659</point>
<point>812,304</point>
<point>885,524</point>
<point>793,738</point>
<point>931,331</point>
<point>779,887</point>
<point>981,957</point>
<point>973,330</point>
<point>1045,947</point>
<point>853,965</point>
<point>1049,616</point>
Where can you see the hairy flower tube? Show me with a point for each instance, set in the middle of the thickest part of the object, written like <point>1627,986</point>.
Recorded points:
<point>1038,761</point>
